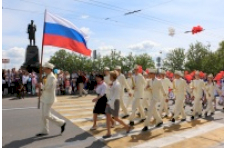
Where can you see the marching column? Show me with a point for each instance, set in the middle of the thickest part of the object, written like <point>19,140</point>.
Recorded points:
<point>156,88</point>
<point>138,95</point>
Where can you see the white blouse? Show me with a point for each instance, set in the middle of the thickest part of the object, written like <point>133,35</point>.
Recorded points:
<point>101,89</point>
<point>114,93</point>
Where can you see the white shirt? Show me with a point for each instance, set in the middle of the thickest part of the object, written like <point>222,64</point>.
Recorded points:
<point>24,79</point>
<point>166,84</point>
<point>114,93</point>
<point>101,89</point>
<point>198,86</point>
<point>123,82</point>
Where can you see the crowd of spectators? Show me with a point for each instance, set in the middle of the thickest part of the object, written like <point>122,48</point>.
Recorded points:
<point>14,81</point>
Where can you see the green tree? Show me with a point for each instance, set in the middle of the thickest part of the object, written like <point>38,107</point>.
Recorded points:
<point>145,61</point>
<point>174,60</point>
<point>195,55</point>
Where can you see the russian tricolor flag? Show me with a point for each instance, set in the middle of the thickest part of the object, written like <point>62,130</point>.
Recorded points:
<point>61,33</point>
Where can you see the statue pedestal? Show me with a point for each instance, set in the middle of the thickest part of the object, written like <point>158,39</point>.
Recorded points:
<point>32,59</point>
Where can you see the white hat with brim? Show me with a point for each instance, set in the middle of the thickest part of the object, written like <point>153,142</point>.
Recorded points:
<point>48,65</point>
<point>145,73</point>
<point>136,66</point>
<point>118,68</point>
<point>210,76</point>
<point>152,70</point>
<point>178,73</point>
<point>197,73</point>
<point>106,68</point>
<point>162,72</point>
<point>130,71</point>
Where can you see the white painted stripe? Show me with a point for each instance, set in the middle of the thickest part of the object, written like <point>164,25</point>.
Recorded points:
<point>50,18</point>
<point>171,139</point>
<point>73,109</point>
<point>19,108</point>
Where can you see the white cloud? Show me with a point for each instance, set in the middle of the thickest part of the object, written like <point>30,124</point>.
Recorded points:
<point>144,45</point>
<point>84,16</point>
<point>16,56</point>
<point>106,47</point>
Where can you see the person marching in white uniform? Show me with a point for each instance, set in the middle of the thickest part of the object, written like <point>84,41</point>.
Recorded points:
<point>209,89</point>
<point>147,93</point>
<point>139,86</point>
<point>179,88</point>
<point>156,88</point>
<point>47,99</point>
<point>130,81</point>
<point>107,76</point>
<point>123,82</point>
<point>164,100</point>
<point>197,86</point>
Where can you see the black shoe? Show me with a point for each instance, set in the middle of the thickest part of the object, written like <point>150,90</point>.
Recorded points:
<point>63,127</point>
<point>125,116</point>
<point>173,120</point>
<point>199,116</point>
<point>146,109</point>
<point>106,136</point>
<point>142,120</point>
<point>165,116</point>
<point>205,114</point>
<point>145,129</point>
<point>139,114</point>
<point>192,117</point>
<point>131,123</point>
<point>192,110</point>
<point>182,120</point>
<point>41,134</point>
<point>159,124</point>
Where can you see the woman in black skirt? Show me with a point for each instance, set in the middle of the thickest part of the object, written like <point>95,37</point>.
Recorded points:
<point>100,101</point>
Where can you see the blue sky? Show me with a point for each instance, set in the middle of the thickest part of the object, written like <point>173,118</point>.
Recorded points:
<point>144,32</point>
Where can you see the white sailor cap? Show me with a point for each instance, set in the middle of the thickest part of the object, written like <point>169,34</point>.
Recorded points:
<point>210,76</point>
<point>162,71</point>
<point>118,68</point>
<point>177,72</point>
<point>196,72</point>
<point>130,71</point>
<point>152,70</point>
<point>136,66</point>
<point>106,68</point>
<point>145,73</point>
<point>48,65</point>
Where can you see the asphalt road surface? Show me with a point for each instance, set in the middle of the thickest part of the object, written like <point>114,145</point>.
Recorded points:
<point>22,120</point>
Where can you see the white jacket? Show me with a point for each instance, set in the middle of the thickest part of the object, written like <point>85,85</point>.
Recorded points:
<point>209,90</point>
<point>157,88</point>
<point>198,86</point>
<point>139,87</point>
<point>114,94</point>
<point>147,92</point>
<point>123,83</point>
<point>166,84</point>
<point>48,90</point>
<point>180,87</point>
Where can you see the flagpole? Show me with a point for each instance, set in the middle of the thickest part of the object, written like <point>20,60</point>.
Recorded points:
<point>40,74</point>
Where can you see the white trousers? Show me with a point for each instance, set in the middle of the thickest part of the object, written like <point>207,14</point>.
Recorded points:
<point>122,103</point>
<point>137,104</point>
<point>145,102</point>
<point>179,108</point>
<point>152,112</point>
<point>81,89</point>
<point>163,106</point>
<point>46,116</point>
<point>209,109</point>
<point>197,108</point>
<point>129,101</point>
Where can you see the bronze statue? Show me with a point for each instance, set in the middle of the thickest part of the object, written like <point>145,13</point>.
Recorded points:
<point>31,31</point>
